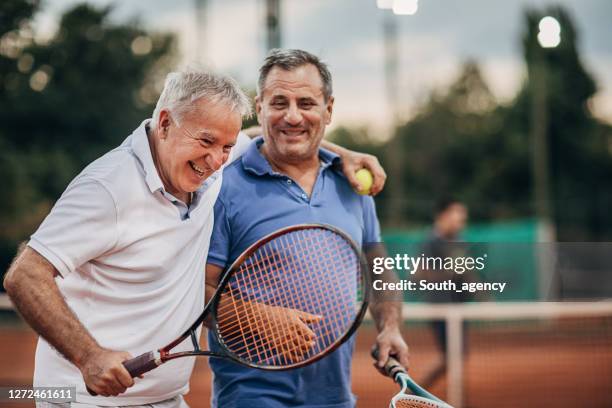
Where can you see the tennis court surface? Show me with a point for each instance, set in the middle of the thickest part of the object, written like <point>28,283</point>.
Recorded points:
<point>527,355</point>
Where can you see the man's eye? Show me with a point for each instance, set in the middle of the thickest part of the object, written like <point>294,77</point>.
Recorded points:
<point>227,149</point>
<point>205,142</point>
<point>279,104</point>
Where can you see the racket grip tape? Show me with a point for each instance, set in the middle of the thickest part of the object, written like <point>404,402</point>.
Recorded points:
<point>138,366</point>
<point>142,364</point>
<point>392,366</point>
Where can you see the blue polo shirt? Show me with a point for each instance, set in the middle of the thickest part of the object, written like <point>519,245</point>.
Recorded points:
<point>254,201</point>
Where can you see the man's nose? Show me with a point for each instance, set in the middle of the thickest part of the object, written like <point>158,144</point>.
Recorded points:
<point>293,115</point>
<point>216,159</point>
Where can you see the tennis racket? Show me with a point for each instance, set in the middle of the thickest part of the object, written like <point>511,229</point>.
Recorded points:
<point>420,398</point>
<point>287,301</point>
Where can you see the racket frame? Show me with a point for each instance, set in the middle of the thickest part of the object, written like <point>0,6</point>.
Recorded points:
<point>395,370</point>
<point>162,355</point>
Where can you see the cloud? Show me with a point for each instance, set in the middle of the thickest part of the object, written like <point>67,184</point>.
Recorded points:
<point>349,35</point>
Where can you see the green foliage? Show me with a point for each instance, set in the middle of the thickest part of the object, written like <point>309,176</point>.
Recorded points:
<point>458,146</point>
<point>66,102</point>
<point>15,12</point>
<point>579,155</point>
<point>463,143</point>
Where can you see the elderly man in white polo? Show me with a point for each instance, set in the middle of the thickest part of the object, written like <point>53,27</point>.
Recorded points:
<point>117,266</point>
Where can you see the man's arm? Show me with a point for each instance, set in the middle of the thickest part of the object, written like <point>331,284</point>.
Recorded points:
<point>351,162</point>
<point>386,309</point>
<point>211,281</point>
<point>31,286</point>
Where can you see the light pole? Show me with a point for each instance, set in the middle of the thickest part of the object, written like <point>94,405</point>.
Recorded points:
<point>201,27</point>
<point>391,70</point>
<point>549,36</point>
<point>273,24</point>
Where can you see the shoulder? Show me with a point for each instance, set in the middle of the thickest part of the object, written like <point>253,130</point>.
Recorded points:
<point>118,172</point>
<point>234,177</point>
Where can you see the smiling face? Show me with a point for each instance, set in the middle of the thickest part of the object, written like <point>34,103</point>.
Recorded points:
<point>187,153</point>
<point>293,113</point>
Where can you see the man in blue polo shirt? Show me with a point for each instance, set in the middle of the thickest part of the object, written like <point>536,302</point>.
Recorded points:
<point>283,179</point>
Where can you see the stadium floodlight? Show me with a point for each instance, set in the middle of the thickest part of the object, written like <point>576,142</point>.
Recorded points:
<point>405,7</point>
<point>384,4</point>
<point>550,32</point>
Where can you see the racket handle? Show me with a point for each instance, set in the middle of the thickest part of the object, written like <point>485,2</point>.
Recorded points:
<point>392,366</point>
<point>142,364</point>
<point>138,366</point>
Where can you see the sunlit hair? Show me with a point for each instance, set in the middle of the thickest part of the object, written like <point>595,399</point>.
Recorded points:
<point>290,60</point>
<point>183,88</point>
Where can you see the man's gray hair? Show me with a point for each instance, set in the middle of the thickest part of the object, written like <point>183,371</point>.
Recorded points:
<point>183,88</point>
<point>290,60</point>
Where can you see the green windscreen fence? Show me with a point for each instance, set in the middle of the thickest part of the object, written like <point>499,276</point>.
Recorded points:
<point>509,249</point>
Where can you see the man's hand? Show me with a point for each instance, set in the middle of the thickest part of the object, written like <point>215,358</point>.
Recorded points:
<point>278,328</point>
<point>104,373</point>
<point>391,343</point>
<point>353,161</point>
<point>287,331</point>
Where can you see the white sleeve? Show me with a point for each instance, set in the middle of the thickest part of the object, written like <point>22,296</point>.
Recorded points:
<point>242,144</point>
<point>81,226</point>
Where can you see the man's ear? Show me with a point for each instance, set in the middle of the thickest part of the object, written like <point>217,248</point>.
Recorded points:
<point>163,123</point>
<point>329,110</point>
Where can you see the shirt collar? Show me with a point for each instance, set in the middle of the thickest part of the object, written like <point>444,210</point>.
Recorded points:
<point>253,161</point>
<point>142,150</point>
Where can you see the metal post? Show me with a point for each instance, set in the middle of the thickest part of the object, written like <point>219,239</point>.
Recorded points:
<point>201,27</point>
<point>395,181</point>
<point>541,175</point>
<point>454,359</point>
<point>539,136</point>
<point>273,24</point>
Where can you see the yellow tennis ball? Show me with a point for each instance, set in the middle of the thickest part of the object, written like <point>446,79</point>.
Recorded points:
<point>365,178</point>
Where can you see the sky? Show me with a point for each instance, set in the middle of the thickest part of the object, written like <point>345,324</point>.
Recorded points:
<point>348,35</point>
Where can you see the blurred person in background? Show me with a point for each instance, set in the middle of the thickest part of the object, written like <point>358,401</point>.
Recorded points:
<point>450,218</point>
<point>116,267</point>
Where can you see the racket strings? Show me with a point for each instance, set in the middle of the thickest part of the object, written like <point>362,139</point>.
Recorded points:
<point>254,316</point>
<point>336,296</point>
<point>250,317</point>
<point>409,401</point>
<point>306,278</point>
<point>342,307</point>
<point>289,352</point>
<point>257,316</point>
<point>412,401</point>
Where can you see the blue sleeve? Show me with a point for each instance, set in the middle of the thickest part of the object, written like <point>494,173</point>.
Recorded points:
<point>370,221</point>
<point>218,253</point>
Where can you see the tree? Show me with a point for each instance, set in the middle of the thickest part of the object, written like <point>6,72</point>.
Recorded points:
<point>68,101</point>
<point>457,146</point>
<point>579,156</point>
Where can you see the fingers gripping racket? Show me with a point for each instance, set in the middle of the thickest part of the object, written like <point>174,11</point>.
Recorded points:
<point>288,300</point>
<point>420,398</point>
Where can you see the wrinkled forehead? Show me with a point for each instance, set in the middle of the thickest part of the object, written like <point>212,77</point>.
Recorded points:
<point>215,118</point>
<point>300,82</point>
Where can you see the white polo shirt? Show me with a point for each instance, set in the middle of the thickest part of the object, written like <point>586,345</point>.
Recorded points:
<point>132,263</point>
